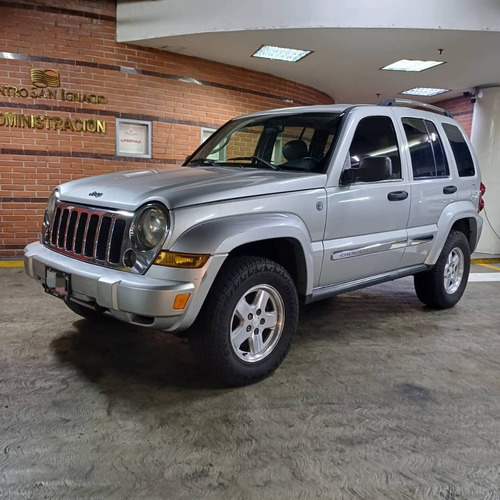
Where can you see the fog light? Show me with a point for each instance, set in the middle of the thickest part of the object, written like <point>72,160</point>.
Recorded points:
<point>129,258</point>
<point>180,301</point>
<point>184,260</point>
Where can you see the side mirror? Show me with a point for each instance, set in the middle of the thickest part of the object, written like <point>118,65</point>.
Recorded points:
<point>188,157</point>
<point>375,168</point>
<point>349,176</point>
<point>371,169</point>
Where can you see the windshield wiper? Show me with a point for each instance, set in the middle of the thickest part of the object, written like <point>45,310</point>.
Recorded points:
<point>258,159</point>
<point>204,161</point>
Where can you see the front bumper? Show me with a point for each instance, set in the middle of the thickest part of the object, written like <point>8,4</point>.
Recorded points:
<point>133,298</point>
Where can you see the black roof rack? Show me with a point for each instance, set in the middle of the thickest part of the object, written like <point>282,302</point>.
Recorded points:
<point>392,101</point>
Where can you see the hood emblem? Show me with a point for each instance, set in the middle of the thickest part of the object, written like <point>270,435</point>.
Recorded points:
<point>95,194</point>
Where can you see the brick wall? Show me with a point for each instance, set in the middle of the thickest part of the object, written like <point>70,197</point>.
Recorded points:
<point>461,108</point>
<point>178,94</point>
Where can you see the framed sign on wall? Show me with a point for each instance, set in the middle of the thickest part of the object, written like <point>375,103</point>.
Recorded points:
<point>133,138</point>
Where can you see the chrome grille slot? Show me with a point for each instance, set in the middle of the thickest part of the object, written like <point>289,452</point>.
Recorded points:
<point>62,228</point>
<point>55,226</point>
<point>71,231</point>
<point>90,234</point>
<point>115,245</point>
<point>102,239</point>
<point>80,232</point>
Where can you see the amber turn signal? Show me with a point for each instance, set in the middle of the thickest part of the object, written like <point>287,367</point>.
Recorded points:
<point>184,260</point>
<point>180,301</point>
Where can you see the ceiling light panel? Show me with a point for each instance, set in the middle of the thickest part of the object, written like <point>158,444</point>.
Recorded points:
<point>424,91</point>
<point>280,53</point>
<point>411,65</point>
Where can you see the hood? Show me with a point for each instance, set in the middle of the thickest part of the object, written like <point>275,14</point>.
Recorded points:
<point>184,186</point>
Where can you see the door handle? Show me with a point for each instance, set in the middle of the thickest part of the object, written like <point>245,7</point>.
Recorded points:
<point>449,189</point>
<point>397,195</point>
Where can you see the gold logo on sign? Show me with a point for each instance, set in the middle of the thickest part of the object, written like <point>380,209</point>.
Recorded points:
<point>45,78</point>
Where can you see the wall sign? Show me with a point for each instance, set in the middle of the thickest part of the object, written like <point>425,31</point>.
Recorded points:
<point>45,84</point>
<point>20,120</point>
<point>45,78</point>
<point>40,81</point>
<point>133,138</point>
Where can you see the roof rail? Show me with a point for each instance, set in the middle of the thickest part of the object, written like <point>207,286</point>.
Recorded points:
<point>392,101</point>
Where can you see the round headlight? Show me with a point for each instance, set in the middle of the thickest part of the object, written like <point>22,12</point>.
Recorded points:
<point>150,228</point>
<point>51,207</point>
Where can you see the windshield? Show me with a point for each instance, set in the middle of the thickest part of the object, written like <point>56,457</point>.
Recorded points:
<point>300,142</point>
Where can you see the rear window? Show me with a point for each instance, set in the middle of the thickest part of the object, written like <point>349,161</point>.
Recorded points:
<point>461,152</point>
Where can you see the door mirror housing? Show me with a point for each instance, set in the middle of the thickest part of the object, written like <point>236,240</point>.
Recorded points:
<point>375,168</point>
<point>371,169</point>
<point>349,176</point>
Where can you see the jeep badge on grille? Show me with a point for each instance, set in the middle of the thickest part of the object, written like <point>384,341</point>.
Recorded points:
<point>95,194</point>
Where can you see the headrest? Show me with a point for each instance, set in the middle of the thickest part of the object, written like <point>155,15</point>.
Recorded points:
<point>295,149</point>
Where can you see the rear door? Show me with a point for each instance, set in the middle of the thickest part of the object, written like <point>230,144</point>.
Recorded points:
<point>433,185</point>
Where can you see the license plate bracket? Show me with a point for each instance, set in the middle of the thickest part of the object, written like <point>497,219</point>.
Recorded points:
<point>57,283</point>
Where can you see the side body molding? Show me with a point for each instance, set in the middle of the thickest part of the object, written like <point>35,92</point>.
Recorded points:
<point>221,236</point>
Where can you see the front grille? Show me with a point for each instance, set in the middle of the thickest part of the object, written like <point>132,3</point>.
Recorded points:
<point>89,234</point>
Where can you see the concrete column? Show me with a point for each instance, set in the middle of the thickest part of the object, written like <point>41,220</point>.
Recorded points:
<point>485,136</point>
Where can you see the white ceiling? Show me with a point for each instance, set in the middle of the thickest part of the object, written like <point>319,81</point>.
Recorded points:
<point>347,52</point>
<point>346,62</point>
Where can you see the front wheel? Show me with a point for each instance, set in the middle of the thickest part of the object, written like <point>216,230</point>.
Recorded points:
<point>246,325</point>
<point>443,286</point>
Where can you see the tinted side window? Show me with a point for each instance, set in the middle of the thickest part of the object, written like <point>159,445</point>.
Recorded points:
<point>426,150</point>
<point>440,160</point>
<point>375,136</point>
<point>461,151</point>
<point>422,159</point>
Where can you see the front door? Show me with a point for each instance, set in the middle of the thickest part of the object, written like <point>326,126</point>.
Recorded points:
<point>365,234</point>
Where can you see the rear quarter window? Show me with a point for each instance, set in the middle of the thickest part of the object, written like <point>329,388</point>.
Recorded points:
<point>461,152</point>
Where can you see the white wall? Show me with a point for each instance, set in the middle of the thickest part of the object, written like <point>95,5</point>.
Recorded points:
<point>485,137</point>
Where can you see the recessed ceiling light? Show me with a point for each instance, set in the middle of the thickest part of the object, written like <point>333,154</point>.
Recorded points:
<point>281,53</point>
<point>411,65</point>
<point>425,91</point>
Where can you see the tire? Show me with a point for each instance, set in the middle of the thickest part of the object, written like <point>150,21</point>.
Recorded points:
<point>86,312</point>
<point>443,286</point>
<point>257,298</point>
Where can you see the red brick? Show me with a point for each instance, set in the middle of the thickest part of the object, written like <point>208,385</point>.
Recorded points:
<point>77,38</point>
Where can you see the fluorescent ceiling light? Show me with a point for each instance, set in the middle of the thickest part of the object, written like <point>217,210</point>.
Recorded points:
<point>281,53</point>
<point>424,91</point>
<point>411,65</point>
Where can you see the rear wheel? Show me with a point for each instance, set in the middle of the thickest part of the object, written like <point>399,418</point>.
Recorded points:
<point>443,286</point>
<point>246,326</point>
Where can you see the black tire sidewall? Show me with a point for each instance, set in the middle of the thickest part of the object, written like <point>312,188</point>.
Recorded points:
<point>430,285</point>
<point>456,240</point>
<point>277,282</point>
<point>234,283</point>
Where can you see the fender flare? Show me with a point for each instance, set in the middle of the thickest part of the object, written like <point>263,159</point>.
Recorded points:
<point>221,236</point>
<point>452,213</point>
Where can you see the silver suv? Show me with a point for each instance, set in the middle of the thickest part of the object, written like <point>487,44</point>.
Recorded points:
<point>275,208</point>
